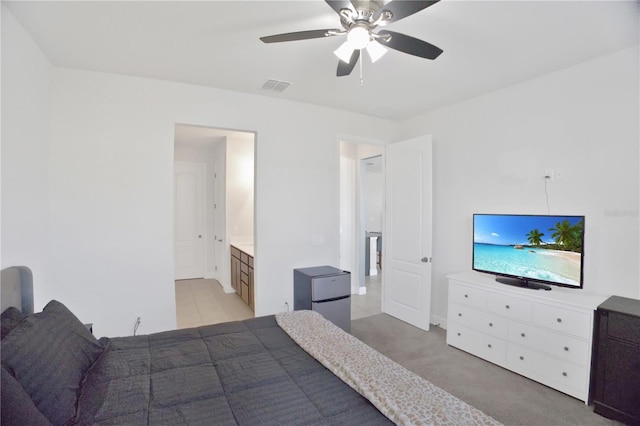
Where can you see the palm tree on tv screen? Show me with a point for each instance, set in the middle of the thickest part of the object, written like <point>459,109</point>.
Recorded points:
<point>535,237</point>
<point>566,236</point>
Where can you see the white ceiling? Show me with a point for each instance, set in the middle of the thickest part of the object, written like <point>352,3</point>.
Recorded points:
<point>487,45</point>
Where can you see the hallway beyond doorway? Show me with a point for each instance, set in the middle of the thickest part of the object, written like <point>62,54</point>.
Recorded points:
<point>202,302</point>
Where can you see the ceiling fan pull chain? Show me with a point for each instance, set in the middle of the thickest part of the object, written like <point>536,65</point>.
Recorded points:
<point>361,78</point>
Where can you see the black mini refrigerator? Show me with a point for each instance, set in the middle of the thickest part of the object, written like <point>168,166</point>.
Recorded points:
<point>326,290</point>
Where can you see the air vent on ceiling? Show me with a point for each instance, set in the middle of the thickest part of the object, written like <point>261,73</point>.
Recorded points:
<point>275,86</point>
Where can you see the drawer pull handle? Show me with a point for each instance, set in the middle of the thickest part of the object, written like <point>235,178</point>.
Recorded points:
<point>506,306</point>
<point>559,319</point>
<point>489,345</point>
<point>564,373</point>
<point>466,295</point>
<point>566,348</point>
<point>459,314</point>
<point>522,334</point>
<point>521,358</point>
<point>490,324</point>
<point>458,334</point>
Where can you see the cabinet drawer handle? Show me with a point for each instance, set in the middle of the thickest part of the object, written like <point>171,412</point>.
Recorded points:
<point>564,373</point>
<point>458,334</point>
<point>559,319</point>
<point>459,314</point>
<point>490,324</point>
<point>521,358</point>
<point>566,348</point>
<point>506,306</point>
<point>522,334</point>
<point>466,295</point>
<point>489,345</point>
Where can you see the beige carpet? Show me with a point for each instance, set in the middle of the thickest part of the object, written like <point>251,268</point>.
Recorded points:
<point>505,396</point>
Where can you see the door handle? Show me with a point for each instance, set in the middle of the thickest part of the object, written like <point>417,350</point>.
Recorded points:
<point>425,259</point>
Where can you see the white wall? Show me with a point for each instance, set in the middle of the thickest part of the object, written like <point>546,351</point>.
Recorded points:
<point>107,237</point>
<point>240,188</point>
<point>491,152</point>
<point>26,80</point>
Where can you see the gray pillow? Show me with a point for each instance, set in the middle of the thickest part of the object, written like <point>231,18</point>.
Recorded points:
<point>10,319</point>
<point>17,406</point>
<point>48,354</point>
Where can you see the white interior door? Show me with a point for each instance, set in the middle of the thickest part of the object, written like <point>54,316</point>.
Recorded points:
<point>407,233</point>
<point>189,213</point>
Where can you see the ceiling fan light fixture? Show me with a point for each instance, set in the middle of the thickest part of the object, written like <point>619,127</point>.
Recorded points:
<point>358,37</point>
<point>376,50</point>
<point>344,52</point>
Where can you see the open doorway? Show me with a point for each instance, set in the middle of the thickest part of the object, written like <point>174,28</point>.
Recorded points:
<point>213,208</point>
<point>361,223</point>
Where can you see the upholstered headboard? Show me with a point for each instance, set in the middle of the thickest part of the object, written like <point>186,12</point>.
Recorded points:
<point>16,289</point>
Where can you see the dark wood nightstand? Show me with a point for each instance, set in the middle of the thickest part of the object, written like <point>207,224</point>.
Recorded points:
<point>616,360</point>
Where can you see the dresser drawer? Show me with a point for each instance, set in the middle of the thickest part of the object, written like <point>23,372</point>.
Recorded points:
<point>511,307</point>
<point>488,347</point>
<point>467,295</point>
<point>563,320</point>
<point>560,345</point>
<point>478,320</point>
<point>624,327</point>
<point>523,359</point>
<point>235,252</point>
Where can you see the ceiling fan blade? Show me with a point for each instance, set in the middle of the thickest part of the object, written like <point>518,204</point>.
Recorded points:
<point>401,9</point>
<point>338,5</point>
<point>300,35</point>
<point>346,68</point>
<point>410,45</point>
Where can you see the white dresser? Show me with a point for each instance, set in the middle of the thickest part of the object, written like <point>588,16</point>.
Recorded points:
<point>543,335</point>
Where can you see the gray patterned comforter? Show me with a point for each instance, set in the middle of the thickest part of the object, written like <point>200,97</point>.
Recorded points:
<point>247,373</point>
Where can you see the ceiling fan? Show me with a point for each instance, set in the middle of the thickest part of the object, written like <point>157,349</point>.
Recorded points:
<point>359,19</point>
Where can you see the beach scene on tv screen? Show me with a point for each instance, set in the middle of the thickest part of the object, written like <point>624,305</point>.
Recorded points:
<point>545,248</point>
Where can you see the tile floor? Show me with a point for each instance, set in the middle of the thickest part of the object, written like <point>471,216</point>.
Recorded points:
<point>201,302</point>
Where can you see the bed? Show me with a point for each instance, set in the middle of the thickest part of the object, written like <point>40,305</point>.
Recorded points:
<point>289,368</point>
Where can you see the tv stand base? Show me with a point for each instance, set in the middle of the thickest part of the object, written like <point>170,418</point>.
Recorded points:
<point>518,282</point>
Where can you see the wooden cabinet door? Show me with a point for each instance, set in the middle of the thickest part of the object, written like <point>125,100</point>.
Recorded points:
<point>235,274</point>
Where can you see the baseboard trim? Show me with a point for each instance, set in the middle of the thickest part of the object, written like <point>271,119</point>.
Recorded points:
<point>439,321</point>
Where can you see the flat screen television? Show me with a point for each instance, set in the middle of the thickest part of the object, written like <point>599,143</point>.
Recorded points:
<point>530,250</point>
